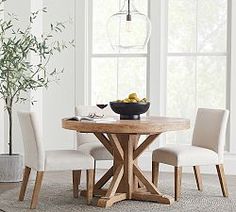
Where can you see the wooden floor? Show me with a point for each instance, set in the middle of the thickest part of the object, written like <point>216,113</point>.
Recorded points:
<point>62,177</point>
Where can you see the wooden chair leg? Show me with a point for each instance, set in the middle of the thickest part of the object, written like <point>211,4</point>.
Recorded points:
<point>155,173</point>
<point>90,185</point>
<point>94,172</point>
<point>178,178</point>
<point>222,179</point>
<point>198,177</point>
<point>24,183</point>
<point>37,187</point>
<point>76,182</point>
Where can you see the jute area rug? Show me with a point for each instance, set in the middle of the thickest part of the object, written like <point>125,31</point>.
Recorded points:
<point>57,197</point>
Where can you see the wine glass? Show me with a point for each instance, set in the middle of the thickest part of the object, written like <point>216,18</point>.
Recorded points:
<point>101,103</point>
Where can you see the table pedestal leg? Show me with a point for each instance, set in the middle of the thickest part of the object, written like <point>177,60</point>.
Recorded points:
<point>126,173</point>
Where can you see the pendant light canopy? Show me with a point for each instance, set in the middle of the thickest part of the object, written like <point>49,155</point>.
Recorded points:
<point>128,29</point>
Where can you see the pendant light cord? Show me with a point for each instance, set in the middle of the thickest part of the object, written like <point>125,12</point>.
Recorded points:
<point>128,7</point>
<point>128,18</point>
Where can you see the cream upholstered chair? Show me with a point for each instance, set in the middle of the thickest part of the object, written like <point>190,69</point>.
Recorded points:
<point>87,142</point>
<point>38,159</point>
<point>207,149</point>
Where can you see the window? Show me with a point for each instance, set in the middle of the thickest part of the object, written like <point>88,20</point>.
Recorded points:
<point>114,74</point>
<point>196,59</point>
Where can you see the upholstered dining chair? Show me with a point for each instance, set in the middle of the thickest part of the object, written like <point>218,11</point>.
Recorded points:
<point>207,149</point>
<point>87,142</point>
<point>59,160</point>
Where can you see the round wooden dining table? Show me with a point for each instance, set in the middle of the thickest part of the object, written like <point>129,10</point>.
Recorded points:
<point>121,139</point>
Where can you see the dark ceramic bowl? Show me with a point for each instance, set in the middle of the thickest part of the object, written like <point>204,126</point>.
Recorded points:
<point>130,111</point>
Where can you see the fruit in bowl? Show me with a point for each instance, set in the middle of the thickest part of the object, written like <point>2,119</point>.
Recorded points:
<point>130,108</point>
<point>132,98</point>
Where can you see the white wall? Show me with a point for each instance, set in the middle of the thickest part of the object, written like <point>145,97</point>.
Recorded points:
<point>59,98</point>
<point>81,50</point>
<point>22,10</point>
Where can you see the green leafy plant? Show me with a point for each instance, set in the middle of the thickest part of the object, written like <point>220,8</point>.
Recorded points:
<point>17,73</point>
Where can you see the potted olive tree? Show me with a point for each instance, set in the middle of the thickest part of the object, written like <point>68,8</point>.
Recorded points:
<point>18,76</point>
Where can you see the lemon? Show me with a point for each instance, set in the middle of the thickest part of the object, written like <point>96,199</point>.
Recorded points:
<point>126,100</point>
<point>144,100</point>
<point>133,96</point>
<point>133,101</point>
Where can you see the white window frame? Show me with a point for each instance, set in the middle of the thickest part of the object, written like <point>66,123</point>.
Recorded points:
<point>232,80</point>
<point>92,55</point>
<point>156,71</point>
<point>197,54</point>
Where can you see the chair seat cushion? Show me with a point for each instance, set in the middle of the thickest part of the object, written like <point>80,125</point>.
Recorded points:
<point>96,149</point>
<point>59,160</point>
<point>183,155</point>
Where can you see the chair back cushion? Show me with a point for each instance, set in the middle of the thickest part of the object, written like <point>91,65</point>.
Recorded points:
<point>210,130</point>
<point>32,138</point>
<point>84,110</point>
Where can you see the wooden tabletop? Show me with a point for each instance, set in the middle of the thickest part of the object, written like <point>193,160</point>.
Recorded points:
<point>146,125</point>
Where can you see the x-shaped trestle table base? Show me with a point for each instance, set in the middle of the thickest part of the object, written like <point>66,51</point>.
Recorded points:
<point>128,181</point>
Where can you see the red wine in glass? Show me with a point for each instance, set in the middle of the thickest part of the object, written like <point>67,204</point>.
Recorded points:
<point>101,106</point>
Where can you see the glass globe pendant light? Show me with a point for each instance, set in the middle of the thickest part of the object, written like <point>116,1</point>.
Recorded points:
<point>128,28</point>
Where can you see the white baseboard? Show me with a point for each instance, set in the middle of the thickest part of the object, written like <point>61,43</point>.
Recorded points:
<point>145,163</point>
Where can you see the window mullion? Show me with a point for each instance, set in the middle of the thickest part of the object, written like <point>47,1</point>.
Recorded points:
<point>119,55</point>
<point>90,50</point>
<point>196,58</point>
<point>190,54</point>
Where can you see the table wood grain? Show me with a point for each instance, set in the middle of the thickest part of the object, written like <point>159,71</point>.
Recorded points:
<point>146,125</point>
